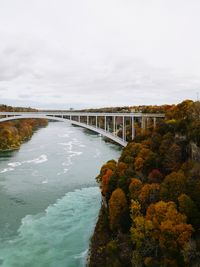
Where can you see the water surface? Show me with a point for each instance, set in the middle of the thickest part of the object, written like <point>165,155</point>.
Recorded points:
<point>49,197</point>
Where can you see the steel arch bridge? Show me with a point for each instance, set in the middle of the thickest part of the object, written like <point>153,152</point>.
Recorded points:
<point>106,124</point>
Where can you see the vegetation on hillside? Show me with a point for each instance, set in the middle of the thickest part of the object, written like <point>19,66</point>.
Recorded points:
<point>151,196</point>
<point>6,108</point>
<point>13,133</point>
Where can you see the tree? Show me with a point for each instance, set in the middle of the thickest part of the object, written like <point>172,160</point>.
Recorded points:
<point>121,168</point>
<point>117,208</point>
<point>172,158</point>
<point>167,141</point>
<point>173,185</point>
<point>135,209</point>
<point>156,139</point>
<point>160,235</point>
<point>151,162</point>
<point>138,164</point>
<point>155,176</point>
<point>135,188</point>
<point>141,235</point>
<point>188,207</point>
<point>149,194</point>
<point>170,228</point>
<point>105,181</point>
<point>110,165</point>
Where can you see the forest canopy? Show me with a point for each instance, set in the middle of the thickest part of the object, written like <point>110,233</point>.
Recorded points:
<point>151,211</point>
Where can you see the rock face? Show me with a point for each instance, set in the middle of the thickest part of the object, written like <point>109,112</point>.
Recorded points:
<point>195,152</point>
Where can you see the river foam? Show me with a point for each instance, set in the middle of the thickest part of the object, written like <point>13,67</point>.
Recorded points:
<point>12,165</point>
<point>7,170</point>
<point>57,238</point>
<point>40,159</point>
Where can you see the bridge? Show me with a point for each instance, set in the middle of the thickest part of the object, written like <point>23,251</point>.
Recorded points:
<point>106,124</point>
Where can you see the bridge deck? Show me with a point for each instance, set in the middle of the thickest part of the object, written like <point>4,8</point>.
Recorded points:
<point>75,118</point>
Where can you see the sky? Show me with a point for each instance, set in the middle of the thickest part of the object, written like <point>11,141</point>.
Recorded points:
<point>58,54</point>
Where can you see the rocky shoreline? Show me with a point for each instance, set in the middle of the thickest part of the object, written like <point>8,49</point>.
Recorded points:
<point>106,249</point>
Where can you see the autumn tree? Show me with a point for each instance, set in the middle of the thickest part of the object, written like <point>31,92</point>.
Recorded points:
<point>156,139</point>
<point>167,141</point>
<point>155,176</point>
<point>172,158</point>
<point>173,185</point>
<point>138,164</point>
<point>110,165</point>
<point>189,208</point>
<point>135,188</point>
<point>105,181</point>
<point>149,194</point>
<point>170,228</point>
<point>117,208</point>
<point>161,234</point>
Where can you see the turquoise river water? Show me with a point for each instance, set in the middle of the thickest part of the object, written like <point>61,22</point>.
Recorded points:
<point>49,200</point>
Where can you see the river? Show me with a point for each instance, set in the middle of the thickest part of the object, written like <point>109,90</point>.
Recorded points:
<point>49,200</point>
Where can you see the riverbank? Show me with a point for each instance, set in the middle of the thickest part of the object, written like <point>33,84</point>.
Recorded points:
<point>107,250</point>
<point>14,133</point>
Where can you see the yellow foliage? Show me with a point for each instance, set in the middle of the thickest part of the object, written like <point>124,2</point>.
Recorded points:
<point>135,188</point>
<point>171,229</point>
<point>135,209</point>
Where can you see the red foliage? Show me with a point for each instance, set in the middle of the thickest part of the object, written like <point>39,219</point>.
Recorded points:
<point>155,176</point>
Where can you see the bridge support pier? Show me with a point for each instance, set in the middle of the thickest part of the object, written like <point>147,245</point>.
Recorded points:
<point>114,123</point>
<point>154,123</point>
<point>123,129</point>
<point>133,127</point>
<point>143,124</point>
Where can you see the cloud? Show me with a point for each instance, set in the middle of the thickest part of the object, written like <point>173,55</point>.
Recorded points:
<point>98,53</point>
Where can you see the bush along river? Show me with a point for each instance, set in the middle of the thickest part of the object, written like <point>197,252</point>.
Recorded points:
<point>49,199</point>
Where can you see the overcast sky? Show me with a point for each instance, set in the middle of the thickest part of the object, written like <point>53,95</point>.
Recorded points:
<point>94,53</point>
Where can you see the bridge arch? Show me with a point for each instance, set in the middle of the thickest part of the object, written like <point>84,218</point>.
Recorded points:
<point>98,130</point>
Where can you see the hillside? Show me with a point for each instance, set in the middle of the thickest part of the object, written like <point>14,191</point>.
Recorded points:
<point>14,133</point>
<point>150,214</point>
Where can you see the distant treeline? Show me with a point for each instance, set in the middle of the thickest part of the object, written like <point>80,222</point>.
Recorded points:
<point>13,133</point>
<point>16,109</point>
<point>142,108</point>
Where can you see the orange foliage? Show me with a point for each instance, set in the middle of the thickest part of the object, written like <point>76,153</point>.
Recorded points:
<point>138,164</point>
<point>171,230</point>
<point>149,193</point>
<point>105,181</point>
<point>121,167</point>
<point>110,165</point>
<point>144,153</point>
<point>117,207</point>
